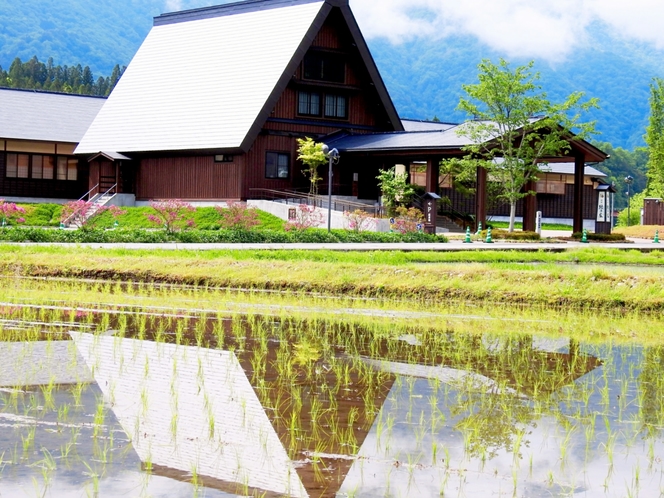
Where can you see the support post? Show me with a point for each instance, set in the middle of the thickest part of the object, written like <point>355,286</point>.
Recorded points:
<point>480,197</point>
<point>529,208</point>
<point>577,215</point>
<point>433,172</point>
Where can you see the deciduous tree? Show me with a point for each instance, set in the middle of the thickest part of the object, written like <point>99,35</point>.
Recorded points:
<point>514,127</point>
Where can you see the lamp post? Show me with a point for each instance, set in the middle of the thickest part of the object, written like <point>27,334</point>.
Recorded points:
<point>628,180</point>
<point>333,156</point>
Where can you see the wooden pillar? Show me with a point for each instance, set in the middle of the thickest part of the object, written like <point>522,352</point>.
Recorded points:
<point>577,215</point>
<point>529,208</point>
<point>480,197</point>
<point>433,172</point>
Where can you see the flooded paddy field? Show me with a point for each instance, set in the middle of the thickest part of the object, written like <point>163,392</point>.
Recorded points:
<point>113,389</point>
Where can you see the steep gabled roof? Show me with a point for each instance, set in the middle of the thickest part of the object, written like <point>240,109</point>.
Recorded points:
<point>207,79</point>
<point>46,116</point>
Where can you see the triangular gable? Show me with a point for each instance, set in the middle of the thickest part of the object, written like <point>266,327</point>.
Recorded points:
<point>201,84</point>
<point>208,79</point>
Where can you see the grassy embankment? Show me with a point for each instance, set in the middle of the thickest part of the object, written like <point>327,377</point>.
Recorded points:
<point>573,279</point>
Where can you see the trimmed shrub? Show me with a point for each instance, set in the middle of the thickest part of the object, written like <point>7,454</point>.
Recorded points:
<point>15,234</point>
<point>601,237</point>
<point>507,235</point>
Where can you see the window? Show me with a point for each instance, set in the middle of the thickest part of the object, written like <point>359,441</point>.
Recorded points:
<point>12,165</point>
<point>308,103</point>
<point>18,165</point>
<point>37,167</point>
<point>72,169</point>
<point>335,106</point>
<point>324,67</point>
<point>41,167</point>
<point>277,165</point>
<point>62,168</point>
<point>48,164</point>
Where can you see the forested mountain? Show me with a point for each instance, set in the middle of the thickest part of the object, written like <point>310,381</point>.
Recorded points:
<point>35,75</point>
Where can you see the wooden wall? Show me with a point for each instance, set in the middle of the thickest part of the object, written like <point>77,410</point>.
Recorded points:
<point>552,206</point>
<point>189,178</point>
<point>54,189</point>
<point>285,126</point>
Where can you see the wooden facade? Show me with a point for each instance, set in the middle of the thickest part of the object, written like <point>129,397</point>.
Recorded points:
<point>551,206</point>
<point>33,179</point>
<point>196,176</point>
<point>653,211</point>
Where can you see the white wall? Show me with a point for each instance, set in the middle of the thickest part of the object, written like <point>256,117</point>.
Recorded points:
<point>280,210</point>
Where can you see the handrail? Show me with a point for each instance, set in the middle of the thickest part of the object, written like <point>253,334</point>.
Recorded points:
<point>68,220</point>
<point>318,200</point>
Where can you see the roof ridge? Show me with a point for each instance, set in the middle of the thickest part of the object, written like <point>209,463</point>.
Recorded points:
<point>51,92</point>
<point>229,9</point>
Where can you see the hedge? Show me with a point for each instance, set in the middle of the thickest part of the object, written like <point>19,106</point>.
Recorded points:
<point>17,234</point>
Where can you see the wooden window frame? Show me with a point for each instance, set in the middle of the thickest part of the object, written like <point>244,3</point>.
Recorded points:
<point>324,66</point>
<point>70,172</point>
<point>308,104</point>
<point>277,155</point>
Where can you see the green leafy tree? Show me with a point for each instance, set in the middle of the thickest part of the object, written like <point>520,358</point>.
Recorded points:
<point>515,127</point>
<point>312,156</point>
<point>395,189</point>
<point>655,139</point>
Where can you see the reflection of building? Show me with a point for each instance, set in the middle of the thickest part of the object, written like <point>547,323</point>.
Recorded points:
<point>189,408</point>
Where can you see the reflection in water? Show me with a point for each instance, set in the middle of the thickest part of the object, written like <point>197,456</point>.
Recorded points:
<point>271,408</point>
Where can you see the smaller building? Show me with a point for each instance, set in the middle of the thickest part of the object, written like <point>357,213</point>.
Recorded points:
<point>38,134</point>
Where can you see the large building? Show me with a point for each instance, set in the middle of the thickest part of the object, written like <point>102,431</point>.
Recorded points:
<point>212,105</point>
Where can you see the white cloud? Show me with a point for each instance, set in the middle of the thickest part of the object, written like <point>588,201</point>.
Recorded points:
<point>173,5</point>
<point>548,29</point>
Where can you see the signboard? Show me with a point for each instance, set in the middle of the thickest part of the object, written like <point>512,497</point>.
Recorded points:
<point>601,207</point>
<point>430,210</point>
<point>538,222</point>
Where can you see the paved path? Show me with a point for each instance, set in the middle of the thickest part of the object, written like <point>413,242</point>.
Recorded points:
<point>452,246</point>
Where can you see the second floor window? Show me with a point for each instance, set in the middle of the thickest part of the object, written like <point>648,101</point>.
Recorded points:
<point>308,104</point>
<point>336,106</point>
<point>324,67</point>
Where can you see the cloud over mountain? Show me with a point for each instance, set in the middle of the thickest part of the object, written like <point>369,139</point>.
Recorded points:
<point>544,29</point>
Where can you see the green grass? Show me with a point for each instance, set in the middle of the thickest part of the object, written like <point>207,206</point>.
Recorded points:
<point>48,215</point>
<point>519,225</point>
<point>501,279</point>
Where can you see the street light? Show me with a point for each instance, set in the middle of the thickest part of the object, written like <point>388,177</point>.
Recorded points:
<point>628,180</point>
<point>333,156</point>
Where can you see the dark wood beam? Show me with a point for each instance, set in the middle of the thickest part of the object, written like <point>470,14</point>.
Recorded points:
<point>433,172</point>
<point>480,197</point>
<point>529,208</point>
<point>579,170</point>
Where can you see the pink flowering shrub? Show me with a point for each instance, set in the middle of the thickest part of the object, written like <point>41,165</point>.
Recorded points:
<point>237,216</point>
<point>408,219</point>
<point>10,213</point>
<point>85,214</point>
<point>359,220</point>
<point>172,215</point>
<point>305,217</point>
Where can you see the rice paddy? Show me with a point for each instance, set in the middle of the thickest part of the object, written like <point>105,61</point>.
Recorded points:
<point>111,388</point>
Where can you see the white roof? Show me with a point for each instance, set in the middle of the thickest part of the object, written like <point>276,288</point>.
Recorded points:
<point>50,117</point>
<point>200,84</point>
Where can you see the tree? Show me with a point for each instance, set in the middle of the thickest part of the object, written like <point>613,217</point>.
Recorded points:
<point>396,190</point>
<point>655,139</point>
<point>312,156</point>
<point>515,127</point>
